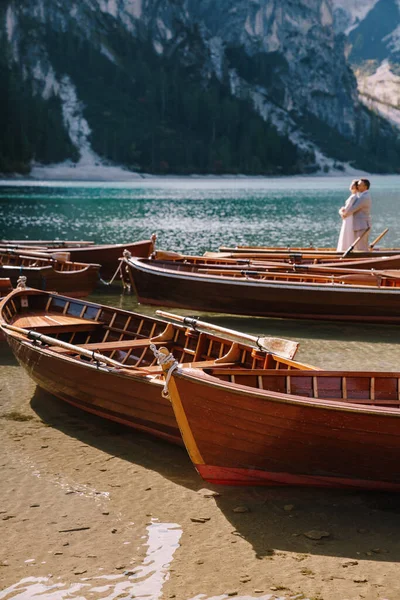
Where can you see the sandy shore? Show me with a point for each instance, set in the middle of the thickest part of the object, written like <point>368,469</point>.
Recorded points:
<point>91,509</point>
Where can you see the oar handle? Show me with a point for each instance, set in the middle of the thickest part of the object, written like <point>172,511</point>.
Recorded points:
<point>378,239</point>
<point>354,244</point>
<point>40,337</point>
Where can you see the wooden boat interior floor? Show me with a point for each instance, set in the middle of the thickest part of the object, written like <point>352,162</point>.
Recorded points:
<point>368,279</point>
<point>126,337</point>
<point>373,389</point>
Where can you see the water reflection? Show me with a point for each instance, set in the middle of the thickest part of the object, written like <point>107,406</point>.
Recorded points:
<point>144,582</point>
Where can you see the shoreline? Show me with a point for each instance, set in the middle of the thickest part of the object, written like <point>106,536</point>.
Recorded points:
<point>108,173</point>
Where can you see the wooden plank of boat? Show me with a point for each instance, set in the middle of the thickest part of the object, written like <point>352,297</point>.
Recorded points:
<point>78,279</point>
<point>108,255</point>
<point>5,286</point>
<point>46,243</point>
<point>182,285</point>
<point>312,249</point>
<point>98,358</point>
<point>326,429</point>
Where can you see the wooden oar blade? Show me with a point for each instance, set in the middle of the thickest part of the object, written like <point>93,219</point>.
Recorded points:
<point>280,346</point>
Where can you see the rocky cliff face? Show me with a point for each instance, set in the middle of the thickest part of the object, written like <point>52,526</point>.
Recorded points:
<point>230,86</point>
<point>373,36</point>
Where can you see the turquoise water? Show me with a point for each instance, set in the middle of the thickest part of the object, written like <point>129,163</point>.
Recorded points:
<point>193,214</point>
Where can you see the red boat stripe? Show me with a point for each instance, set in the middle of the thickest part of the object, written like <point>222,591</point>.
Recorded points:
<point>238,476</point>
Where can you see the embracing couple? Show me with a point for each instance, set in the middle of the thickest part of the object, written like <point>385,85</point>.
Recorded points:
<point>356,217</point>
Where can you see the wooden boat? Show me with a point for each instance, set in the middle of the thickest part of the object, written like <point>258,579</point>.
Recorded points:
<point>77,279</point>
<point>42,244</point>
<point>284,261</point>
<point>315,251</point>
<point>99,359</point>
<point>106,255</point>
<point>5,286</point>
<point>321,428</point>
<point>371,296</point>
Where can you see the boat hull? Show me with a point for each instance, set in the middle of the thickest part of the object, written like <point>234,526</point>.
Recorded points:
<point>78,284</point>
<point>163,287</point>
<point>237,437</point>
<point>107,255</point>
<point>133,401</point>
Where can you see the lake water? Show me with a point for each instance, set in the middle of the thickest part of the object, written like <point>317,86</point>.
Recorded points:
<point>198,214</point>
<point>193,214</point>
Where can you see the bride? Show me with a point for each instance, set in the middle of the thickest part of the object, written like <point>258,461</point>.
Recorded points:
<point>346,236</point>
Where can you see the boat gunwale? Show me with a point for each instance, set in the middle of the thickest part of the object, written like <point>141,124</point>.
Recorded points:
<point>194,375</point>
<point>138,263</point>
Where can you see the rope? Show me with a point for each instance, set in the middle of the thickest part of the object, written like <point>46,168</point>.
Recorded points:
<point>113,277</point>
<point>21,282</point>
<point>126,254</point>
<point>162,359</point>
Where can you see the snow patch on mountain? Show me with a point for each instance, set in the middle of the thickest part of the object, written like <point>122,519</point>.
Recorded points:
<point>216,47</point>
<point>381,92</point>
<point>77,126</point>
<point>44,74</point>
<point>134,8</point>
<point>349,13</point>
<point>393,40</point>
<point>11,22</point>
<point>109,6</point>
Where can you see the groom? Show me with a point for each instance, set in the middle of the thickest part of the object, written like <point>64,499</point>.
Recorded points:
<point>361,211</point>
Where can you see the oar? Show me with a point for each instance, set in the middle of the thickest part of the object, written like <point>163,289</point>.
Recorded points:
<point>378,239</point>
<point>280,346</point>
<point>58,255</point>
<point>354,244</point>
<point>50,341</point>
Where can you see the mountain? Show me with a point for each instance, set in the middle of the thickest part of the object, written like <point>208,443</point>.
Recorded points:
<point>373,34</point>
<point>183,86</point>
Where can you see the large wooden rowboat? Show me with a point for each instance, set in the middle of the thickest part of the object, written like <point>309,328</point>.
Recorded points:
<point>304,260</point>
<point>5,286</point>
<point>76,279</point>
<point>289,262</point>
<point>42,244</point>
<point>321,428</point>
<point>106,255</point>
<point>315,251</point>
<point>99,359</point>
<point>357,296</point>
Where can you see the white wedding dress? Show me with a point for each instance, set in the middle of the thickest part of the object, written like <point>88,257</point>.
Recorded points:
<point>346,236</point>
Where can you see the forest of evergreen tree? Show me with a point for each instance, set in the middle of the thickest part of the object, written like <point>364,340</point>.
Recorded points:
<point>161,114</point>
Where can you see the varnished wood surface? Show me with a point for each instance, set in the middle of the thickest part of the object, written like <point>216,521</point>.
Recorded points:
<point>107,255</point>
<point>159,285</point>
<point>77,279</point>
<point>130,394</point>
<point>241,431</point>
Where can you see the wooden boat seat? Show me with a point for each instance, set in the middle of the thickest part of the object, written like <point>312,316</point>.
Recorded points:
<point>359,279</point>
<point>54,322</point>
<point>114,345</point>
<point>201,364</point>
